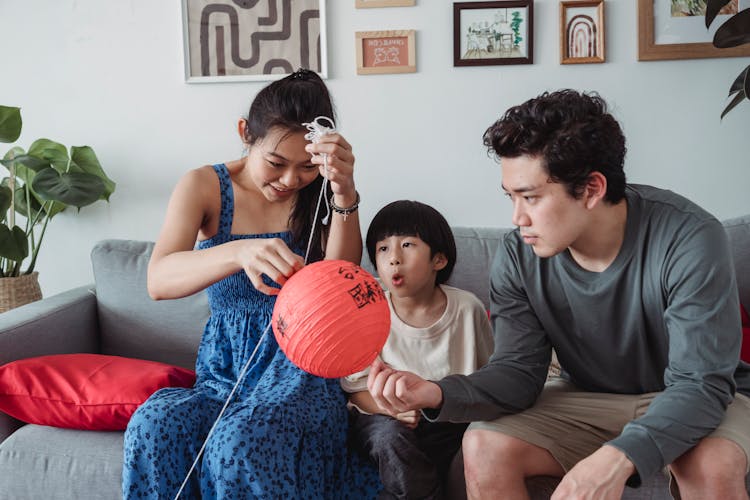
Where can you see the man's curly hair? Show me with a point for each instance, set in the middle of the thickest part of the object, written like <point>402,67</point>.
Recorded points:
<point>572,132</point>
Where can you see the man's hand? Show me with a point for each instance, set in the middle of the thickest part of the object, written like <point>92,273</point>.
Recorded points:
<point>398,391</point>
<point>600,476</point>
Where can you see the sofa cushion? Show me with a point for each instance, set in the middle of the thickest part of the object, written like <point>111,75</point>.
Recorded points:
<point>738,230</point>
<point>61,464</point>
<point>131,323</point>
<point>745,352</point>
<point>83,391</point>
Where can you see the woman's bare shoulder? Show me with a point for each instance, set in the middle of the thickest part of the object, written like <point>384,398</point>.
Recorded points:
<point>201,181</point>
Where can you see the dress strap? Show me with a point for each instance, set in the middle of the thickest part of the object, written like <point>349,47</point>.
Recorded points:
<point>227,201</point>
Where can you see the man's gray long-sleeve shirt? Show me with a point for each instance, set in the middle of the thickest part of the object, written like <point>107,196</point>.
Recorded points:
<point>664,316</point>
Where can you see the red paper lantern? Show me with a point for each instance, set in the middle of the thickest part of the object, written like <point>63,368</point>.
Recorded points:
<point>331,318</point>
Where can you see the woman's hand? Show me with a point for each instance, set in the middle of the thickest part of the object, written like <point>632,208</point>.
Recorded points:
<point>271,257</point>
<point>340,172</point>
<point>344,239</point>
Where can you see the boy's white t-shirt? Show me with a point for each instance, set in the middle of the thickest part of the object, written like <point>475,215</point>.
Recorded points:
<point>459,342</point>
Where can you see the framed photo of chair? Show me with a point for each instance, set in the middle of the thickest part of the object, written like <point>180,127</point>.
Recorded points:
<point>581,31</point>
<point>491,33</point>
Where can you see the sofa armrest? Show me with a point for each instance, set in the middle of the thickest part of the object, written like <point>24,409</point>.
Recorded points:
<point>61,324</point>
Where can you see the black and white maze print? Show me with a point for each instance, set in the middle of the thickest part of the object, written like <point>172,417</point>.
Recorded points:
<point>283,35</point>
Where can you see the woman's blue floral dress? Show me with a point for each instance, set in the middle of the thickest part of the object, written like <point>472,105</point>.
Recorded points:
<point>282,436</point>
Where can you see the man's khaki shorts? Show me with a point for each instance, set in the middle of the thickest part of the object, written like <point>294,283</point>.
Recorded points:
<point>572,425</point>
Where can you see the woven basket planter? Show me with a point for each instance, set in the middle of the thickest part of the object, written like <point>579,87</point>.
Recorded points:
<point>20,290</point>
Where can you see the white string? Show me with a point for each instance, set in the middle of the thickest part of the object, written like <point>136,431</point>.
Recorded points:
<point>315,217</point>
<point>223,409</point>
<point>317,130</point>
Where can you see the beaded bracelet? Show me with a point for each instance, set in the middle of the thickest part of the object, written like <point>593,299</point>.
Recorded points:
<point>345,211</point>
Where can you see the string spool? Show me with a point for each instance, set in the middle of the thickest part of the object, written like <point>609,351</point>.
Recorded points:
<point>331,318</point>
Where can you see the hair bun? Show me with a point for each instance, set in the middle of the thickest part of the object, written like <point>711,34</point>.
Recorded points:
<point>303,74</point>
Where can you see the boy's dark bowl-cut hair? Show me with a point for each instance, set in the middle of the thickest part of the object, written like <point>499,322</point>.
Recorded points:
<point>412,218</point>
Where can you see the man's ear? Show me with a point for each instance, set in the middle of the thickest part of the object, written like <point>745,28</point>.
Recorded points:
<point>439,261</point>
<point>596,189</point>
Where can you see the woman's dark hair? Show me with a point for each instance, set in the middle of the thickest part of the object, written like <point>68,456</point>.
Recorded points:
<point>574,135</point>
<point>412,218</point>
<point>287,104</point>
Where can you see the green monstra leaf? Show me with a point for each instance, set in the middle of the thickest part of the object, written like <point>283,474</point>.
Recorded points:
<point>73,188</point>
<point>84,158</point>
<point>13,243</point>
<point>52,151</point>
<point>32,162</point>
<point>10,123</point>
<point>5,200</point>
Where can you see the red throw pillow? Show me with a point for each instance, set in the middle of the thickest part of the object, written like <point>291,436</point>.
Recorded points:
<point>745,352</point>
<point>83,391</point>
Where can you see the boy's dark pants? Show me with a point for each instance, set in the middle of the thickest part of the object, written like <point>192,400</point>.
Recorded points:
<point>412,462</point>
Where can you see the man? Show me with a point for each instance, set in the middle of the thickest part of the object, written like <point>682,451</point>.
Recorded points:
<point>634,288</point>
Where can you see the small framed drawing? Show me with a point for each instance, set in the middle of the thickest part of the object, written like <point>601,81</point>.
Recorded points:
<point>490,33</point>
<point>581,31</point>
<point>676,29</point>
<point>385,52</point>
<point>364,4</point>
<point>230,41</point>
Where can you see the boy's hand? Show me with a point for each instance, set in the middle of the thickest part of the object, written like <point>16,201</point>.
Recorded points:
<point>409,418</point>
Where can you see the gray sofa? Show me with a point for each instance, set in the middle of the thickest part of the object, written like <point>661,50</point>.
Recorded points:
<point>116,316</point>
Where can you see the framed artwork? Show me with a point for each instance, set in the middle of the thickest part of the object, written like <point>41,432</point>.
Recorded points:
<point>490,33</point>
<point>676,29</point>
<point>364,4</point>
<point>230,41</point>
<point>581,31</point>
<point>385,52</point>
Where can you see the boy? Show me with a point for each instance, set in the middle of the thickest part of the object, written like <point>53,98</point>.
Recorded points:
<point>436,330</point>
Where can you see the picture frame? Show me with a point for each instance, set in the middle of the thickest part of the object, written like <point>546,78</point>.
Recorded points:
<point>582,32</point>
<point>663,35</point>
<point>493,33</point>
<point>366,4</point>
<point>226,42</point>
<point>391,51</point>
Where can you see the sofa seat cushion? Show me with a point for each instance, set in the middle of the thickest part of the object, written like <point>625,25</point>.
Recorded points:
<point>51,463</point>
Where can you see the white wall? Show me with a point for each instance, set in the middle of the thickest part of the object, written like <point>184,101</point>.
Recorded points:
<point>109,74</point>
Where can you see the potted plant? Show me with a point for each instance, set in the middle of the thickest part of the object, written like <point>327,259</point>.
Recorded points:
<point>733,32</point>
<point>41,183</point>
